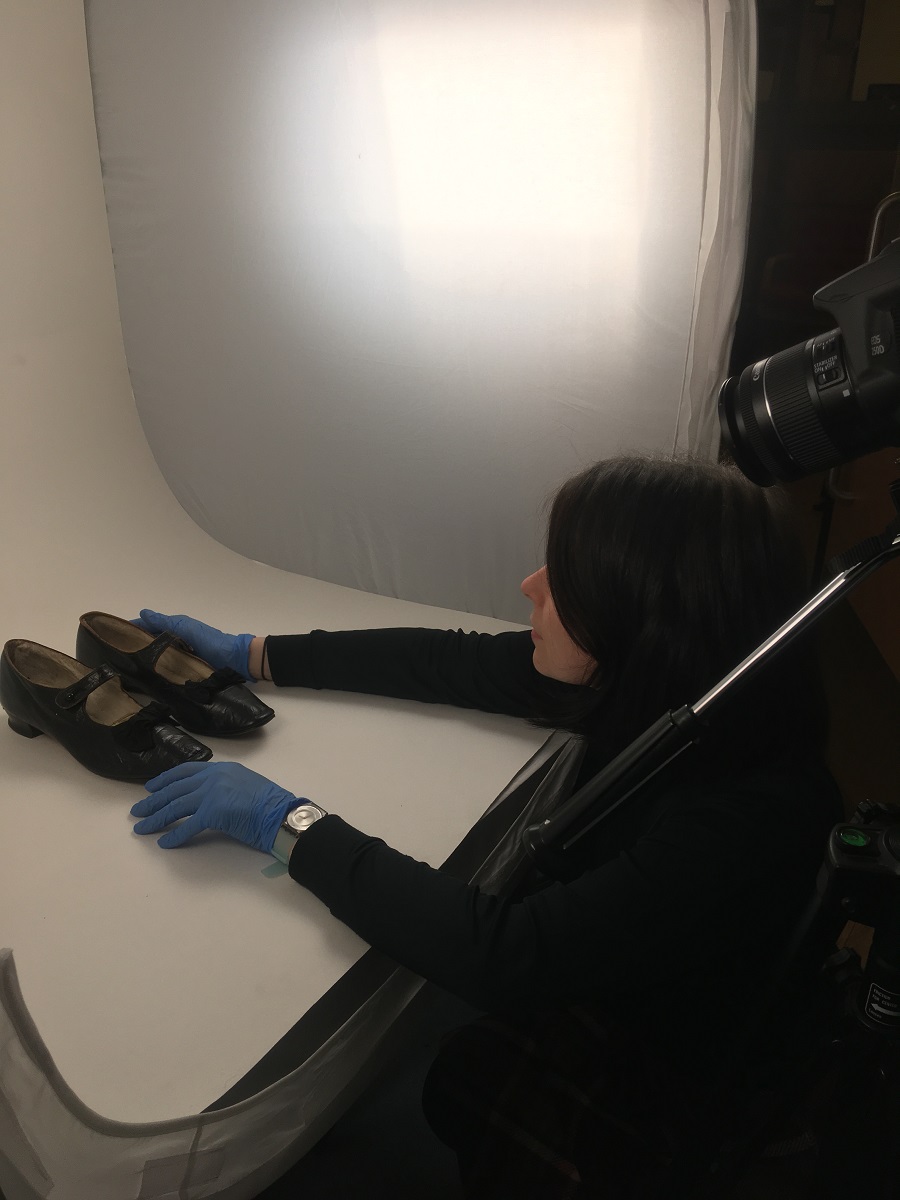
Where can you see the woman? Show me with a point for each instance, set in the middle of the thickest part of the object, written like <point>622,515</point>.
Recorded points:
<point>612,998</point>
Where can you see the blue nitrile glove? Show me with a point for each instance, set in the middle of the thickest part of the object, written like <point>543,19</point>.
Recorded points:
<point>219,795</point>
<point>217,648</point>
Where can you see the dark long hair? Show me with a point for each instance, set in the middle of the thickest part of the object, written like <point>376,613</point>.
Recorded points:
<point>668,572</point>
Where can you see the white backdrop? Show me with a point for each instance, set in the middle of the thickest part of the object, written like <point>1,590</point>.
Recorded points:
<point>390,270</point>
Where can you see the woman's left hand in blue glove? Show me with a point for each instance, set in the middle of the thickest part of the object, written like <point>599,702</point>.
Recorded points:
<point>221,795</point>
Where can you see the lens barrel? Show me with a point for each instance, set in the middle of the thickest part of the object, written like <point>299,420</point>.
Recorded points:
<point>792,414</point>
<point>830,399</point>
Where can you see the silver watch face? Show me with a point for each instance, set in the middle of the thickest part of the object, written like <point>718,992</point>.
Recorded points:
<point>302,817</point>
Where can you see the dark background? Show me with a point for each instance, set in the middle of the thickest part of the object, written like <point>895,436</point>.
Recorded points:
<point>823,159</point>
<point>826,154</point>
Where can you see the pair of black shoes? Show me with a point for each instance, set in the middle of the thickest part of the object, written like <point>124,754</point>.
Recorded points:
<point>83,702</point>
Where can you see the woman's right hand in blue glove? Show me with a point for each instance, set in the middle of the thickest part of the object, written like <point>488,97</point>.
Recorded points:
<point>217,648</point>
<point>222,795</point>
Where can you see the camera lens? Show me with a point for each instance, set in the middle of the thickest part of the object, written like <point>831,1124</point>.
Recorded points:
<point>794,413</point>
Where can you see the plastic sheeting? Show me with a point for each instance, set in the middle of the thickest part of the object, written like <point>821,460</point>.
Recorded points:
<point>389,271</point>
<point>53,1145</point>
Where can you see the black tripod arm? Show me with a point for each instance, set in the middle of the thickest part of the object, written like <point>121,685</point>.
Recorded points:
<point>884,550</point>
<point>548,841</point>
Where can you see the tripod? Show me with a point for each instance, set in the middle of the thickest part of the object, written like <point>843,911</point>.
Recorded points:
<point>848,1028</point>
<point>837,1058</point>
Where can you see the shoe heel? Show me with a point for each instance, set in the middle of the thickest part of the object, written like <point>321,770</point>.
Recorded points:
<point>26,730</point>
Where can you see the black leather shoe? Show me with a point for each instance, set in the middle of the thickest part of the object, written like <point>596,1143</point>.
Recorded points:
<point>206,701</point>
<point>90,713</point>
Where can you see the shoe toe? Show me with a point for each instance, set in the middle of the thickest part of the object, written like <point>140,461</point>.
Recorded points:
<point>173,743</point>
<point>237,710</point>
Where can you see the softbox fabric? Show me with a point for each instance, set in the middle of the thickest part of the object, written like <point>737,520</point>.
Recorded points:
<point>389,271</point>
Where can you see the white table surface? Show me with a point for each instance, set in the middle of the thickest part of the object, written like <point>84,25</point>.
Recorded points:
<point>158,978</point>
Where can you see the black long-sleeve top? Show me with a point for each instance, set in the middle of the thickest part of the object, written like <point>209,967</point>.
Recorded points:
<point>685,898</point>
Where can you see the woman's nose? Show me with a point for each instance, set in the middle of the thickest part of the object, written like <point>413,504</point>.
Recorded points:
<point>532,586</point>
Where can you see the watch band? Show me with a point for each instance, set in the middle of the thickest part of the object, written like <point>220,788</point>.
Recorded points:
<point>297,821</point>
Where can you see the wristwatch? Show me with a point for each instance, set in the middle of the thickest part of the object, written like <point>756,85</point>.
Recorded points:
<point>296,822</point>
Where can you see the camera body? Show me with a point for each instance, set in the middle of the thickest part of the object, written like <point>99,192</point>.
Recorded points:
<point>829,399</point>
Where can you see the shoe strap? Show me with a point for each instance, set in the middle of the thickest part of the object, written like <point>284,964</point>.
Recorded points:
<point>74,695</point>
<point>149,655</point>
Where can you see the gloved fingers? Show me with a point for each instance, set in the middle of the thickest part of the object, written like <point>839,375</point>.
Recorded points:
<point>153,621</point>
<point>187,628</point>
<point>186,770</point>
<point>182,833</point>
<point>151,804</point>
<point>160,817</point>
<point>177,790</point>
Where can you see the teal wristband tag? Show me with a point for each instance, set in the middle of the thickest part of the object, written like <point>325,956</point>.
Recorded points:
<point>273,870</point>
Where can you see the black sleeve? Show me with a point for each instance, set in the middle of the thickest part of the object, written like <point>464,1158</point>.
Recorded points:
<point>490,672</point>
<point>700,881</point>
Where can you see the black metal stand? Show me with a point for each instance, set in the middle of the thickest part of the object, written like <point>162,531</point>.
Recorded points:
<point>837,1055</point>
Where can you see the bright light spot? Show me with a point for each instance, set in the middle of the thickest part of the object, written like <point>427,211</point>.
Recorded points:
<point>479,142</point>
<point>481,154</point>
<point>511,130</point>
